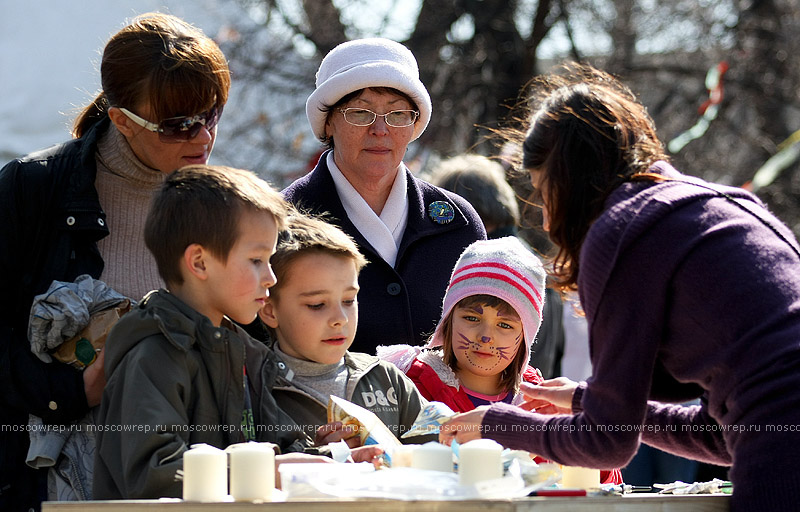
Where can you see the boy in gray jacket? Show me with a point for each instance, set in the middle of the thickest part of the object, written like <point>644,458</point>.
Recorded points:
<point>312,315</point>
<point>179,370</point>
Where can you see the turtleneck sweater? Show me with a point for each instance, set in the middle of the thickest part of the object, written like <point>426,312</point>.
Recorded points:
<point>125,187</point>
<point>317,379</point>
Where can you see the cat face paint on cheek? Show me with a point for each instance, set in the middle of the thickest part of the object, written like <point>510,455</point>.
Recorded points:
<point>468,347</point>
<point>501,352</point>
<point>463,342</point>
<point>482,341</point>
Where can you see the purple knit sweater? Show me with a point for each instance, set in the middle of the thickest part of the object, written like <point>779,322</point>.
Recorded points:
<point>687,295</point>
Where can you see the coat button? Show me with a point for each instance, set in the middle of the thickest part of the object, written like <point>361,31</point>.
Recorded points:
<point>217,335</point>
<point>52,405</point>
<point>70,220</point>
<point>393,288</point>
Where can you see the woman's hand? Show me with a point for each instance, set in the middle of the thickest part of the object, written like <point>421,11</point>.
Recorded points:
<point>552,396</point>
<point>94,380</point>
<point>463,427</point>
<point>336,431</point>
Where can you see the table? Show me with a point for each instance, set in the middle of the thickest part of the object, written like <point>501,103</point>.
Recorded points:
<point>628,503</point>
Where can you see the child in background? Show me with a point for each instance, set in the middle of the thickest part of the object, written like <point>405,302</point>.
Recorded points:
<point>179,370</point>
<point>491,312</point>
<point>311,316</point>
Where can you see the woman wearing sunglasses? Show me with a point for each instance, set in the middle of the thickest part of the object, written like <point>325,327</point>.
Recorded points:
<point>79,208</point>
<point>369,104</point>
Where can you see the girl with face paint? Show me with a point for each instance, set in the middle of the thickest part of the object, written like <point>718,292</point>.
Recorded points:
<point>482,342</point>
<point>491,312</point>
<point>479,352</point>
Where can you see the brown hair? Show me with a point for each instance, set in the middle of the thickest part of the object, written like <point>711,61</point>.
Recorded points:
<point>307,234</point>
<point>512,375</point>
<point>588,134</point>
<point>202,204</point>
<point>482,182</point>
<point>332,109</point>
<point>162,60</point>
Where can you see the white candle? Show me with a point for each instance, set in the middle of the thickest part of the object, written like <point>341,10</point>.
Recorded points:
<point>479,460</point>
<point>252,471</point>
<point>573,477</point>
<point>433,456</point>
<point>205,474</point>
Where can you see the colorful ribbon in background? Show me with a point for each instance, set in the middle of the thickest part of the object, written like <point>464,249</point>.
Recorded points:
<point>708,110</point>
<point>788,150</point>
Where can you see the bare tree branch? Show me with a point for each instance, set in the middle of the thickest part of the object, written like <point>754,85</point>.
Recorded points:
<point>326,29</point>
<point>663,50</point>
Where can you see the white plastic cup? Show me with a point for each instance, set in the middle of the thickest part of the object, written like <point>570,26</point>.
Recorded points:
<point>573,477</point>
<point>479,460</point>
<point>402,456</point>
<point>432,456</point>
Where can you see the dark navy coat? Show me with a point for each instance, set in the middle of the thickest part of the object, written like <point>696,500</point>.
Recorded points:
<point>400,304</point>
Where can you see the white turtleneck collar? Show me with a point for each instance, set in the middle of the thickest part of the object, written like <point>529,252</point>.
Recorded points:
<point>383,232</point>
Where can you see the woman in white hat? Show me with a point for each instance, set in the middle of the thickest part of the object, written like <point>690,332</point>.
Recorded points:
<point>369,104</point>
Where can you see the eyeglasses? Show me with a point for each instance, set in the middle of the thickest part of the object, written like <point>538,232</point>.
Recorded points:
<point>364,117</point>
<point>178,129</point>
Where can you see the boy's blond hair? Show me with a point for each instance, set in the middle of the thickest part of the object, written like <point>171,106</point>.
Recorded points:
<point>202,204</point>
<point>307,234</point>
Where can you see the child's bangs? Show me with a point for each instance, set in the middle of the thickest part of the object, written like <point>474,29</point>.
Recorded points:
<point>491,301</point>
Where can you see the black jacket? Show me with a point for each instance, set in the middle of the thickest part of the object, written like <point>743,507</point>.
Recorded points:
<point>51,220</point>
<point>400,304</point>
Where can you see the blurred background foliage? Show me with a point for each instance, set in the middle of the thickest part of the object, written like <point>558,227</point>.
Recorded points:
<point>728,66</point>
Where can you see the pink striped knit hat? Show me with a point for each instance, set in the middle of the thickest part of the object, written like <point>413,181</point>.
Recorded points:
<point>506,269</point>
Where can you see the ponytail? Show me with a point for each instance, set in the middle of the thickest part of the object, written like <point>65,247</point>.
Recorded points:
<point>91,115</point>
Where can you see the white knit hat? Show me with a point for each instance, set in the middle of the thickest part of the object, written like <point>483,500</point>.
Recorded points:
<point>362,63</point>
<point>504,268</point>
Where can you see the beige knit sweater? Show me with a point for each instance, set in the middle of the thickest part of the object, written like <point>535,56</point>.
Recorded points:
<point>125,187</point>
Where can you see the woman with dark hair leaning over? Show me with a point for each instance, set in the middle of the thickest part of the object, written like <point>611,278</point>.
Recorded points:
<point>79,208</point>
<point>690,289</point>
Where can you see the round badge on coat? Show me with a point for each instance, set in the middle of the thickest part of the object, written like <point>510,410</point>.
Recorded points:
<point>441,212</point>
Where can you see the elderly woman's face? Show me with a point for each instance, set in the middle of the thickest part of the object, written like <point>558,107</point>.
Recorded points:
<point>369,153</point>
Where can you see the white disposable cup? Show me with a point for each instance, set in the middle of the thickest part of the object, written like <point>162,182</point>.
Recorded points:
<point>573,477</point>
<point>479,460</point>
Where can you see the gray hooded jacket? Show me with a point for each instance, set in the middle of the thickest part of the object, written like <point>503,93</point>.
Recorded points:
<point>174,380</point>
